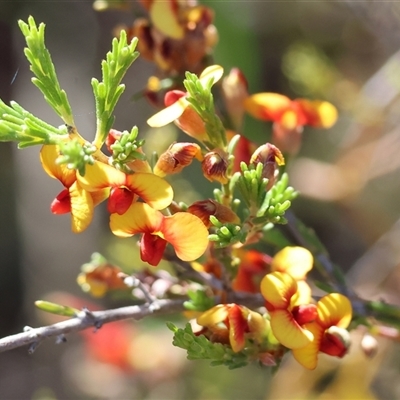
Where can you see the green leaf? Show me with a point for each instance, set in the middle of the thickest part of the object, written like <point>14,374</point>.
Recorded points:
<point>199,301</point>
<point>54,308</point>
<point>42,66</point>
<point>18,125</point>
<point>108,92</point>
<point>200,348</point>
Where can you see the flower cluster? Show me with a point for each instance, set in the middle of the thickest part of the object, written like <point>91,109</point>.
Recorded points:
<point>293,320</point>
<point>249,305</point>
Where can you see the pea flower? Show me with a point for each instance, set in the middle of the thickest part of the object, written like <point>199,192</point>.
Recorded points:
<point>232,324</point>
<point>177,35</point>
<point>289,310</point>
<point>297,262</point>
<point>126,188</point>
<point>184,231</point>
<point>253,266</point>
<point>73,198</point>
<point>215,166</point>
<point>179,109</point>
<point>334,313</point>
<point>235,91</point>
<point>290,116</point>
<point>100,279</point>
<point>294,260</point>
<point>205,208</point>
<point>177,157</point>
<point>271,158</point>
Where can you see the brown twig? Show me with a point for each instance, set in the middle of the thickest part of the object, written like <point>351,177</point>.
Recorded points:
<point>86,319</point>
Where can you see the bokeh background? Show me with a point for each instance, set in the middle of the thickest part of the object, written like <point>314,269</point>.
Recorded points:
<point>346,52</point>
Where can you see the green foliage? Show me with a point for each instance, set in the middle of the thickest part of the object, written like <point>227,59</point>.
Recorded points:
<point>18,125</point>
<point>199,301</point>
<point>42,66</point>
<point>277,201</point>
<point>57,309</point>
<point>108,92</point>
<point>75,155</point>
<point>269,206</point>
<point>200,348</point>
<point>251,184</point>
<point>226,234</point>
<point>202,101</point>
<point>125,149</point>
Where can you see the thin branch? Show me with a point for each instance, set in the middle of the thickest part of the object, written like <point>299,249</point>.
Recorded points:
<point>86,319</point>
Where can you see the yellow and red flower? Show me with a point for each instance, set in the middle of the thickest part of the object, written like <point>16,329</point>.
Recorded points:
<point>177,157</point>
<point>291,113</point>
<point>289,309</point>
<point>233,324</point>
<point>334,313</point>
<point>253,266</point>
<point>179,109</point>
<point>177,36</point>
<point>126,188</point>
<point>74,198</point>
<point>205,208</point>
<point>297,262</point>
<point>215,166</point>
<point>290,116</point>
<point>184,231</point>
<point>100,279</point>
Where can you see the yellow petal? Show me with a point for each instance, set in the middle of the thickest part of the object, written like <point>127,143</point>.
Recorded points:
<point>187,234</point>
<point>303,294</point>
<point>168,114</point>
<point>100,176</point>
<point>308,355</point>
<point>296,261</point>
<point>214,315</point>
<point>213,72</point>
<point>278,289</point>
<point>287,331</point>
<point>155,191</point>
<point>139,218</point>
<point>320,114</point>
<point>334,309</point>
<point>81,208</point>
<point>164,16</point>
<point>48,157</point>
<point>99,196</point>
<point>267,106</point>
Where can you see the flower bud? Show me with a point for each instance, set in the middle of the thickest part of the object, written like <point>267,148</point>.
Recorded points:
<point>205,208</point>
<point>112,137</point>
<point>215,166</point>
<point>177,157</point>
<point>369,345</point>
<point>234,87</point>
<point>270,157</point>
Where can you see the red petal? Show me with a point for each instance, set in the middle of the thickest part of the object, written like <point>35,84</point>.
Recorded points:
<point>237,328</point>
<point>305,313</point>
<point>152,248</point>
<point>119,201</point>
<point>173,96</point>
<point>62,203</point>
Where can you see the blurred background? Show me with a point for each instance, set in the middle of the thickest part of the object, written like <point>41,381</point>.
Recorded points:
<point>346,52</point>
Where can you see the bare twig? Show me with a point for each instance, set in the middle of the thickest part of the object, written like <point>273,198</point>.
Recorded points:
<point>86,319</point>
